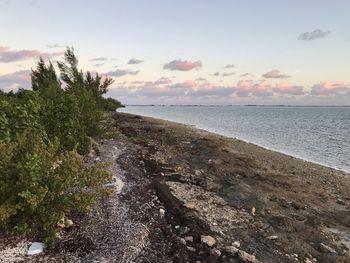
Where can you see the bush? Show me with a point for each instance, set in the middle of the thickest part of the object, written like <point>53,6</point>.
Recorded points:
<point>43,134</point>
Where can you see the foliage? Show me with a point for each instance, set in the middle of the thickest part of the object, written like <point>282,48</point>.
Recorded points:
<point>43,134</point>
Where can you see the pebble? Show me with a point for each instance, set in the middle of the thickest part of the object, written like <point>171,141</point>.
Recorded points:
<point>253,211</point>
<point>231,250</point>
<point>326,249</point>
<point>161,213</point>
<point>183,241</point>
<point>189,239</point>
<point>246,257</point>
<point>272,237</point>
<point>215,252</point>
<point>208,240</point>
<point>236,244</point>
<point>192,249</point>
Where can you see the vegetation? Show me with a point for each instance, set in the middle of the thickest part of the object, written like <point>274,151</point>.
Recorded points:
<point>44,133</point>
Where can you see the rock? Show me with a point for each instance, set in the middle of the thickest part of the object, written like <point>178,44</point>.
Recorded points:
<point>197,173</point>
<point>190,205</point>
<point>231,250</point>
<point>192,249</point>
<point>307,260</point>
<point>253,211</point>
<point>182,241</point>
<point>189,239</point>
<point>210,161</point>
<point>35,248</point>
<point>215,252</point>
<point>246,257</point>
<point>341,202</point>
<point>326,249</point>
<point>161,213</point>
<point>272,237</point>
<point>236,244</point>
<point>208,240</point>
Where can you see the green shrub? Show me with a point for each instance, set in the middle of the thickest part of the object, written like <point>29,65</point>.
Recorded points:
<point>43,134</point>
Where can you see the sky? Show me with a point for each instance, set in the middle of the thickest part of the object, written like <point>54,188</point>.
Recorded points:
<point>267,52</point>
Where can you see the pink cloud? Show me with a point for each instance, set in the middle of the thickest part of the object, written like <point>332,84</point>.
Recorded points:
<point>245,88</point>
<point>285,88</point>
<point>18,79</point>
<point>183,65</point>
<point>7,55</point>
<point>329,88</point>
<point>275,74</point>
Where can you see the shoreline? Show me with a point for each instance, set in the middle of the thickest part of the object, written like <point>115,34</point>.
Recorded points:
<point>189,195</point>
<point>246,141</point>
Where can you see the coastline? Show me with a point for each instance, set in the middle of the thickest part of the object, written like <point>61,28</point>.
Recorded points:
<point>204,129</point>
<point>277,206</point>
<point>189,195</point>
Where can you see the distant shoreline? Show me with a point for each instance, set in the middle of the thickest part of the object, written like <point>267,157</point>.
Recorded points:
<point>243,105</point>
<point>249,142</point>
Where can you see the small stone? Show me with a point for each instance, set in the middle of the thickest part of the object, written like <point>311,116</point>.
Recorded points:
<point>341,202</point>
<point>307,260</point>
<point>197,173</point>
<point>208,240</point>
<point>215,252</point>
<point>177,227</point>
<point>231,250</point>
<point>161,213</point>
<point>253,211</point>
<point>182,241</point>
<point>190,205</point>
<point>35,248</point>
<point>189,239</point>
<point>246,257</point>
<point>326,249</point>
<point>192,249</point>
<point>272,237</point>
<point>236,244</point>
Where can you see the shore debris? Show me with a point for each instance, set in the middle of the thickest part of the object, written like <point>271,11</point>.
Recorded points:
<point>208,240</point>
<point>35,248</point>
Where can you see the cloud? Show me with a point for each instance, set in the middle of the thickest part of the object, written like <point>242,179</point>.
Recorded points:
<point>7,55</point>
<point>329,88</point>
<point>189,84</point>
<point>15,80</point>
<point>308,36</point>
<point>183,65</point>
<point>216,74</point>
<point>245,88</point>
<point>99,65</point>
<point>227,74</point>
<point>163,80</point>
<point>244,75</point>
<point>275,74</point>
<point>134,61</point>
<point>99,59</point>
<point>122,72</point>
<point>284,88</point>
<point>55,46</point>
<point>201,79</point>
<point>229,66</point>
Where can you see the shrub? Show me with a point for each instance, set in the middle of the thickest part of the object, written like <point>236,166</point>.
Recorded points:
<point>43,134</point>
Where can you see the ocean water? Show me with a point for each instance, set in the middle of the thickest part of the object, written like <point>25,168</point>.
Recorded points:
<point>316,134</point>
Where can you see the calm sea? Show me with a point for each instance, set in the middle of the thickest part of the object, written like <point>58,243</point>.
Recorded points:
<point>316,134</point>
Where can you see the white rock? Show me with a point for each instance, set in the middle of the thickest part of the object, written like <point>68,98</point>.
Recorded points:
<point>236,244</point>
<point>231,250</point>
<point>272,237</point>
<point>35,248</point>
<point>161,213</point>
<point>189,239</point>
<point>208,240</point>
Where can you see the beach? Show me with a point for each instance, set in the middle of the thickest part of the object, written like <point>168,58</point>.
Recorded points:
<point>193,196</point>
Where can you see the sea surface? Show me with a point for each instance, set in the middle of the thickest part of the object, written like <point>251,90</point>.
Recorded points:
<point>317,134</point>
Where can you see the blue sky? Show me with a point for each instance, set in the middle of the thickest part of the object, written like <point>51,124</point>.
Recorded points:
<point>283,52</point>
